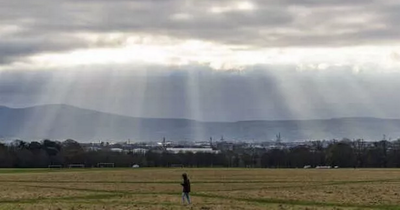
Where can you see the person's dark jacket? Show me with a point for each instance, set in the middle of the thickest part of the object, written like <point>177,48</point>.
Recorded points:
<point>186,186</point>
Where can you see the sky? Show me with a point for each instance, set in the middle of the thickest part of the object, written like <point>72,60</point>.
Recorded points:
<point>206,60</point>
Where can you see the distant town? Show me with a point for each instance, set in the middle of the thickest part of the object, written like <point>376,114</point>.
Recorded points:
<point>212,146</point>
<point>320,154</point>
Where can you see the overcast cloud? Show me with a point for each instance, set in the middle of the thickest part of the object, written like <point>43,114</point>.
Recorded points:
<point>257,23</point>
<point>208,60</point>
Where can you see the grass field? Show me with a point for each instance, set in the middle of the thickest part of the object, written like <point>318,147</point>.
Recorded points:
<point>212,189</point>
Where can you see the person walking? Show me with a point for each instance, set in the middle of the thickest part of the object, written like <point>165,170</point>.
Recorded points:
<point>186,188</point>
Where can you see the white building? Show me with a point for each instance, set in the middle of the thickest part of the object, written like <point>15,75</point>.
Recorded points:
<point>193,150</point>
<point>140,150</point>
<point>116,150</point>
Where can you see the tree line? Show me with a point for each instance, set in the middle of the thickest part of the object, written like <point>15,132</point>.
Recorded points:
<point>343,153</point>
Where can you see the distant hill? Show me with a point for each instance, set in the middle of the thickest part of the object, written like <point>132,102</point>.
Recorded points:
<point>64,121</point>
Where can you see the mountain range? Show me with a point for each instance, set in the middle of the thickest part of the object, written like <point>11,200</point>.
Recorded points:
<point>62,122</point>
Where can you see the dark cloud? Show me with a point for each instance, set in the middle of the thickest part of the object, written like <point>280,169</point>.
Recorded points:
<point>14,49</point>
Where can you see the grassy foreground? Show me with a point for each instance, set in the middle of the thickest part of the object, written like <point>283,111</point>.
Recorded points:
<point>212,189</point>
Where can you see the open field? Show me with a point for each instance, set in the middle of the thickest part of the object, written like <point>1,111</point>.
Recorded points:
<point>212,189</point>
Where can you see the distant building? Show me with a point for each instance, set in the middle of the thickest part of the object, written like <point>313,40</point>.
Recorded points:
<point>204,144</point>
<point>140,150</point>
<point>225,146</point>
<point>93,148</point>
<point>193,150</point>
<point>116,150</point>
